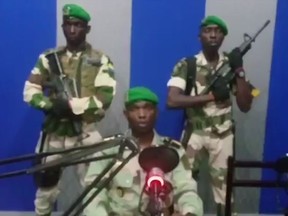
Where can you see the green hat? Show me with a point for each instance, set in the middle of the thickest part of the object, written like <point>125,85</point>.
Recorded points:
<point>73,10</point>
<point>214,20</point>
<point>137,94</point>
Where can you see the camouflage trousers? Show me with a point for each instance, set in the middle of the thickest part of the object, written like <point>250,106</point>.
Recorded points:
<point>217,148</point>
<point>46,197</point>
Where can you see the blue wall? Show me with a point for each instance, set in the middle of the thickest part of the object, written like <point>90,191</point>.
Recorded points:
<point>277,118</point>
<point>28,27</point>
<point>163,32</point>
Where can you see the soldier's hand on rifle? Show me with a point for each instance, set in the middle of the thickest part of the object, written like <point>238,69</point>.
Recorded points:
<point>220,90</point>
<point>235,59</point>
<point>61,107</point>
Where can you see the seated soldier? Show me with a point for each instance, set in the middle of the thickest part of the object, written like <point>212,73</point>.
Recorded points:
<point>123,194</point>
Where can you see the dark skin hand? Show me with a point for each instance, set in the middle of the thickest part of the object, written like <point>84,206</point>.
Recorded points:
<point>211,38</point>
<point>243,91</point>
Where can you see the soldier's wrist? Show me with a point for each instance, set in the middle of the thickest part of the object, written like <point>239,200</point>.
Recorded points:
<point>240,72</point>
<point>211,97</point>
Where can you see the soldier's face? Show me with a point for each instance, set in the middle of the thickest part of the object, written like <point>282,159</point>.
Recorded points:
<point>141,116</point>
<point>211,37</point>
<point>75,30</point>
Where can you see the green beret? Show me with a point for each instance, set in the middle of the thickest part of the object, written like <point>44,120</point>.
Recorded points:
<point>73,10</point>
<point>214,20</point>
<point>137,94</point>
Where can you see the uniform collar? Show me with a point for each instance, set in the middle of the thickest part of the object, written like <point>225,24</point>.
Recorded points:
<point>76,55</point>
<point>201,60</point>
<point>156,139</point>
<point>73,55</point>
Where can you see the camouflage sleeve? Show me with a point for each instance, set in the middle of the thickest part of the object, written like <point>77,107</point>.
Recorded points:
<point>185,189</point>
<point>33,87</point>
<point>105,89</point>
<point>98,204</point>
<point>179,74</point>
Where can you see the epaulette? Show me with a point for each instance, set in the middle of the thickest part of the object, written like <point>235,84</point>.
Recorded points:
<point>172,142</point>
<point>92,61</point>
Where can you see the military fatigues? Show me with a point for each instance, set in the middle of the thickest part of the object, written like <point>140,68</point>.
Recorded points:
<point>123,194</point>
<point>211,125</point>
<point>94,80</point>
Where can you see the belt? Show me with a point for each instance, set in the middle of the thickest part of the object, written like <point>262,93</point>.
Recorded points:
<point>205,122</point>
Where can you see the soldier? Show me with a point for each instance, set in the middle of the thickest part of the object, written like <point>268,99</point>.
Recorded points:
<point>209,126</point>
<point>123,194</point>
<point>92,79</point>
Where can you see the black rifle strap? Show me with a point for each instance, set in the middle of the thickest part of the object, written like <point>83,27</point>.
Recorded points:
<point>53,63</point>
<point>190,83</point>
<point>191,75</point>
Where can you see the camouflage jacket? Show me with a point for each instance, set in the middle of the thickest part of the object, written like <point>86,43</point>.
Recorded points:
<point>216,115</point>
<point>93,75</point>
<point>123,194</point>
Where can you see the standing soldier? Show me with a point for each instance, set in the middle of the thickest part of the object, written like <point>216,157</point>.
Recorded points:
<point>209,124</point>
<point>69,121</point>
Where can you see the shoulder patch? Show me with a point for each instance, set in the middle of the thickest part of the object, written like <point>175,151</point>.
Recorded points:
<point>172,142</point>
<point>181,63</point>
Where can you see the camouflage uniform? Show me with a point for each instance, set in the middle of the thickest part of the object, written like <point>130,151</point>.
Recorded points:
<point>95,83</point>
<point>123,195</point>
<point>211,125</point>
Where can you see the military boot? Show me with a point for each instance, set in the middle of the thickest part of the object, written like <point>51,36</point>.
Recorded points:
<point>221,210</point>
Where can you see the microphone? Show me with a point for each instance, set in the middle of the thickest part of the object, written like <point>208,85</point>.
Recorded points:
<point>157,161</point>
<point>155,182</point>
<point>155,178</point>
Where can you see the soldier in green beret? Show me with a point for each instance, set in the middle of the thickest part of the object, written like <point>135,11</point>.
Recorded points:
<point>89,74</point>
<point>121,197</point>
<point>209,125</point>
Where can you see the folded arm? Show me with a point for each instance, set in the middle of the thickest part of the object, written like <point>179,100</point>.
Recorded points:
<point>176,87</point>
<point>104,88</point>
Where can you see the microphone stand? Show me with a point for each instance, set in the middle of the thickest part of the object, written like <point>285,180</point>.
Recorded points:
<point>155,204</point>
<point>164,159</point>
<point>70,158</point>
<point>73,153</point>
<point>98,184</point>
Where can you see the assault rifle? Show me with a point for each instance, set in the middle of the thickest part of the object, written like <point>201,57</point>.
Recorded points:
<point>63,86</point>
<point>225,69</point>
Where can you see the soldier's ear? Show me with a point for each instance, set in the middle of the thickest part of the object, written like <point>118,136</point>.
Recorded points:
<point>156,111</point>
<point>125,112</point>
<point>88,29</point>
